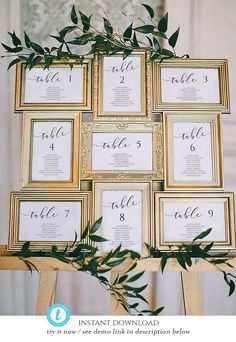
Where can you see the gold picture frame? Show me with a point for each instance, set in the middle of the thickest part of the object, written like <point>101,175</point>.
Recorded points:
<point>207,90</point>
<point>46,139</point>
<point>186,215</point>
<point>131,113</point>
<point>148,134</point>
<point>193,159</point>
<point>29,98</point>
<point>40,216</point>
<point>126,200</point>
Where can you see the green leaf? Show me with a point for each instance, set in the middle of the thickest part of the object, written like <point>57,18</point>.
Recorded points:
<point>13,63</point>
<point>145,29</point>
<point>150,249</point>
<point>66,30</point>
<point>122,278</point>
<point>126,53</point>
<point>141,297</point>
<point>202,234</point>
<point>27,40</point>
<point>115,263</point>
<point>150,41</point>
<point>231,287</point>
<point>103,280</point>
<point>37,48</point>
<point>131,295</point>
<point>156,45</point>
<point>96,226</point>
<point>163,24</point>
<point>173,39</point>
<point>58,38</point>
<point>48,62</point>
<point>132,267</point>
<point>128,32</point>
<point>107,257</point>
<point>149,9</point>
<point>116,251</point>
<point>135,43</point>
<point>97,238</point>
<point>73,16</point>
<point>157,311</point>
<point>135,277</point>
<point>135,255</point>
<point>105,270</point>
<point>154,56</point>
<point>181,260</point>
<point>85,21</point>
<point>82,40</point>
<point>15,40</point>
<point>133,306</point>
<point>219,261</point>
<point>107,26</point>
<point>85,232</point>
<point>35,61</point>
<point>129,288</point>
<point>167,53</point>
<point>140,289</point>
<point>159,34</point>
<point>188,259</point>
<point>163,262</point>
<point>25,247</point>
<point>30,58</point>
<point>13,50</point>
<point>208,247</point>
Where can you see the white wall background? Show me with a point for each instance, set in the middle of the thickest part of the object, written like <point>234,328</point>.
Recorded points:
<point>207,31</point>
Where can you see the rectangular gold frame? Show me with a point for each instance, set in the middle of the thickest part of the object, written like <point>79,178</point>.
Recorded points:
<point>120,127</point>
<point>214,119</point>
<point>85,105</point>
<point>145,187</point>
<point>146,111</point>
<point>220,64</point>
<point>27,145</point>
<point>228,197</point>
<point>14,244</point>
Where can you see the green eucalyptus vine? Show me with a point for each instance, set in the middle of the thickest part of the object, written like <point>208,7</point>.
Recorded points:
<point>147,36</point>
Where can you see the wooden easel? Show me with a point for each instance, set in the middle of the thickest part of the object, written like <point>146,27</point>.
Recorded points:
<point>49,268</point>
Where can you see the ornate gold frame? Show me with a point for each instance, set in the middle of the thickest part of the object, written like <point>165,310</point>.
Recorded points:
<point>146,111</point>
<point>228,200</point>
<point>145,187</point>
<point>27,149</point>
<point>14,244</point>
<point>220,64</point>
<point>130,127</point>
<point>214,119</point>
<point>85,105</point>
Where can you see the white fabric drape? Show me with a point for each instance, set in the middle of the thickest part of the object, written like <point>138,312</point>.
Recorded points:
<point>207,30</point>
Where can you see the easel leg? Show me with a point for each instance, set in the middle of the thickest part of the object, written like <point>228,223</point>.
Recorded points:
<point>46,291</point>
<point>116,308</point>
<point>191,293</point>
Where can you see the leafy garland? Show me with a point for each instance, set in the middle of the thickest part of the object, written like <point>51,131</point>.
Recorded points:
<point>146,36</point>
<point>184,252</point>
<point>83,257</point>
